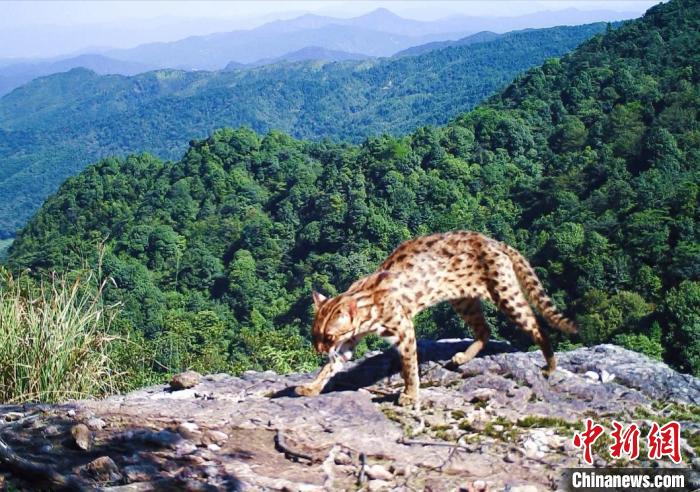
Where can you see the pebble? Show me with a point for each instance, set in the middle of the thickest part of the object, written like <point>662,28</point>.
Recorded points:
<point>52,431</point>
<point>378,472</point>
<point>342,458</point>
<point>103,468</point>
<point>188,430</point>
<point>214,447</point>
<point>81,436</point>
<point>404,471</point>
<point>215,437</point>
<point>96,424</point>
<point>185,380</point>
<point>479,485</point>
<point>13,416</point>
<point>606,377</point>
<point>482,394</point>
<point>592,375</point>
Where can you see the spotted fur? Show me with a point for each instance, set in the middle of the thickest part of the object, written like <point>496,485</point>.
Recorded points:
<point>460,267</point>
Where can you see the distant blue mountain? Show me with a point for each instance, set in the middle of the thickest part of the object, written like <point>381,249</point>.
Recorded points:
<point>379,33</point>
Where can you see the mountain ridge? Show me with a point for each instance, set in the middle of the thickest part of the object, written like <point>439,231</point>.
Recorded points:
<point>308,53</point>
<point>478,37</point>
<point>380,96</point>
<point>383,26</point>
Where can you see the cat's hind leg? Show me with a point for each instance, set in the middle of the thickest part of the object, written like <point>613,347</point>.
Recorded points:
<point>509,297</point>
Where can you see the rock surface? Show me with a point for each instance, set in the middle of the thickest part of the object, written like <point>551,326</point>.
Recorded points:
<point>496,423</point>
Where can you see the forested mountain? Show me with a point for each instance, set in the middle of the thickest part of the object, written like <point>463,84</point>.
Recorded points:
<point>589,164</point>
<point>13,75</point>
<point>377,33</point>
<point>479,37</point>
<point>52,127</point>
<point>314,53</point>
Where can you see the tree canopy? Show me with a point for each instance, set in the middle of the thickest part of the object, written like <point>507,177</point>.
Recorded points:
<point>53,127</point>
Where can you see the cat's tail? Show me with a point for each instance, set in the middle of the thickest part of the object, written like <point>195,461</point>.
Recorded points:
<point>535,292</point>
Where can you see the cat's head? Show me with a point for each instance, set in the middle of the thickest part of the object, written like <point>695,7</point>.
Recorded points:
<point>335,322</point>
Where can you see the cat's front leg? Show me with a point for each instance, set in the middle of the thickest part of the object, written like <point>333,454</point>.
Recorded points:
<point>316,386</point>
<point>409,364</point>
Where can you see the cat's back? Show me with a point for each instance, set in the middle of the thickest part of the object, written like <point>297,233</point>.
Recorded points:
<point>433,251</point>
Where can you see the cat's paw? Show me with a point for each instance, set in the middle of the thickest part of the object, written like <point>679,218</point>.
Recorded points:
<point>408,400</point>
<point>454,363</point>
<point>550,368</point>
<point>457,360</point>
<point>307,390</point>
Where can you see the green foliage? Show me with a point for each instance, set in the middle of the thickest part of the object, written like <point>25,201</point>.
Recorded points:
<point>53,127</point>
<point>682,312</point>
<point>192,341</point>
<point>282,351</point>
<point>604,315</point>
<point>240,230</point>
<point>642,344</point>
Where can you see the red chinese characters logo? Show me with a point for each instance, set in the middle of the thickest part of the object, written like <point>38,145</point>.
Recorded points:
<point>587,438</point>
<point>665,441</point>
<point>662,441</point>
<point>625,442</point>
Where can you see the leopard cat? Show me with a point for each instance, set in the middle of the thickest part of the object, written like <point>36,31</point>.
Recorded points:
<point>461,267</point>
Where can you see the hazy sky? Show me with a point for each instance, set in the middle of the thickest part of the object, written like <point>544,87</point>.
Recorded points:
<point>48,28</point>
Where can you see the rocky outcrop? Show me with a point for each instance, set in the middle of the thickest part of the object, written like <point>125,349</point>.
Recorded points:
<point>496,423</point>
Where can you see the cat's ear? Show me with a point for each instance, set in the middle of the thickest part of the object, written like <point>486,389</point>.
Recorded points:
<point>319,299</point>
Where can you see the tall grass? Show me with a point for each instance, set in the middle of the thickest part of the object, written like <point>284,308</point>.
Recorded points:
<point>53,338</point>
